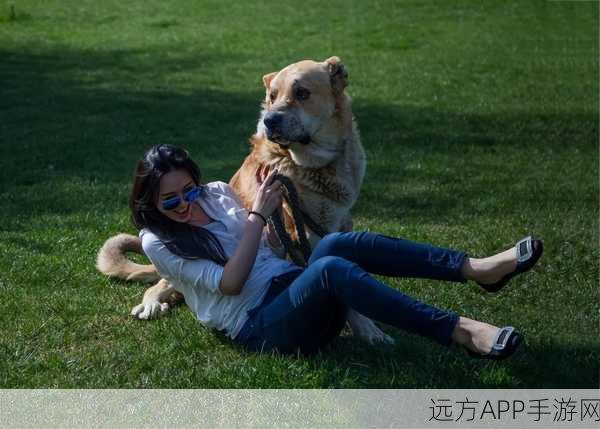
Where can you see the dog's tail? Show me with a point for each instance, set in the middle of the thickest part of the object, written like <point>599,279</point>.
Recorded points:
<point>113,262</point>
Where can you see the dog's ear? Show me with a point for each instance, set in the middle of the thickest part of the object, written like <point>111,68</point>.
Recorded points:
<point>268,78</point>
<point>338,75</point>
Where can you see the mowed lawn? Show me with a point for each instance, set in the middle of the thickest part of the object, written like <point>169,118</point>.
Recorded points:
<point>480,122</point>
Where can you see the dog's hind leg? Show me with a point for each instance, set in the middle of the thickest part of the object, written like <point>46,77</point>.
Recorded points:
<point>366,329</point>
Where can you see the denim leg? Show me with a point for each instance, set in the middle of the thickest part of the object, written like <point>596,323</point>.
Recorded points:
<point>394,257</point>
<point>288,325</point>
<point>295,319</point>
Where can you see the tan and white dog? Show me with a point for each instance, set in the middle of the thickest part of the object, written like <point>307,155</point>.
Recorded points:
<point>307,131</point>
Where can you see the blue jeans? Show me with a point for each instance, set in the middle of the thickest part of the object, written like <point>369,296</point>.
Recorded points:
<point>305,309</point>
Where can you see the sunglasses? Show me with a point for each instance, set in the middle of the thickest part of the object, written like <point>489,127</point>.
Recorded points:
<point>189,196</point>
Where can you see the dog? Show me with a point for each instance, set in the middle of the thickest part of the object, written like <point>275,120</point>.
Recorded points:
<point>307,131</point>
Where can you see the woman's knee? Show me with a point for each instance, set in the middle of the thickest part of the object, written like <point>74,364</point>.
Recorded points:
<point>328,262</point>
<point>332,270</point>
<point>332,244</point>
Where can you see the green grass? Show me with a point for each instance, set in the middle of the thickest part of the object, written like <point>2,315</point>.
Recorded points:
<point>480,121</point>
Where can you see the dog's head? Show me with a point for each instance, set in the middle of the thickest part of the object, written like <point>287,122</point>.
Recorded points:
<point>306,110</point>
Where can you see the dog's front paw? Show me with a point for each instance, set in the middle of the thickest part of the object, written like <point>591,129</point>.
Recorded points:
<point>149,310</point>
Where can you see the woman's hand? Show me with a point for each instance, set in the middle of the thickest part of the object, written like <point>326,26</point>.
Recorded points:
<point>269,195</point>
<point>237,269</point>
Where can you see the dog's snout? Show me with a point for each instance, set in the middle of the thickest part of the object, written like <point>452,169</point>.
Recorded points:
<point>273,120</point>
<point>284,128</point>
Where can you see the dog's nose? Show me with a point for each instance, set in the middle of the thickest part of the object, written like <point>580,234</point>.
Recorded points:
<point>273,120</point>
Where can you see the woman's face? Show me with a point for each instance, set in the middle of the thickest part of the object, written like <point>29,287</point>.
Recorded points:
<point>176,183</point>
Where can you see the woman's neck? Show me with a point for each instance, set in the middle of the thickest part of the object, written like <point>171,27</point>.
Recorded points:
<point>199,216</point>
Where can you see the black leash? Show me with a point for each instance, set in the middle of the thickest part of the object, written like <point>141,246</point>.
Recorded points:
<point>299,251</point>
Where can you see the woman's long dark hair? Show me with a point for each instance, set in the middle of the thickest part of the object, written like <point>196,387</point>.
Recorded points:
<point>185,240</point>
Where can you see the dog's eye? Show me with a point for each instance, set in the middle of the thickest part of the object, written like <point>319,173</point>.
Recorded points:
<point>272,96</point>
<point>302,94</point>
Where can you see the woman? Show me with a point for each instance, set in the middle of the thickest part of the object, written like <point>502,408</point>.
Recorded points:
<point>216,253</point>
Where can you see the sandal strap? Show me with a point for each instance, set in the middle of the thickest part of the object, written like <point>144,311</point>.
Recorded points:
<point>501,338</point>
<point>524,249</point>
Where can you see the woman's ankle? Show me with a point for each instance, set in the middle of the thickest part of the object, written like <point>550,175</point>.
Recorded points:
<point>474,335</point>
<point>490,269</point>
<point>461,334</point>
<point>471,269</point>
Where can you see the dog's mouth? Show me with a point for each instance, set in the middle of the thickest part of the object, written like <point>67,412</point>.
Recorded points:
<point>285,142</point>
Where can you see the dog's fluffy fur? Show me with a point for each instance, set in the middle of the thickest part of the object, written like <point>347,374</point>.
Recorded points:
<point>307,131</point>
<point>328,166</point>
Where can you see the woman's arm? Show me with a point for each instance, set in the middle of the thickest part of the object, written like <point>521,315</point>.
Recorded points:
<point>237,269</point>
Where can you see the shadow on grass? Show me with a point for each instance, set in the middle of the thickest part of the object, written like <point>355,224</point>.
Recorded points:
<point>415,362</point>
<point>71,141</point>
<point>71,131</point>
<point>68,117</point>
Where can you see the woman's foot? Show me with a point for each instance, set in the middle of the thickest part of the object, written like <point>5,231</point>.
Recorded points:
<point>494,272</point>
<point>486,341</point>
<point>491,269</point>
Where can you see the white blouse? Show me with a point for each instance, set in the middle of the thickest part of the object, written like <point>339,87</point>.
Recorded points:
<point>198,280</point>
